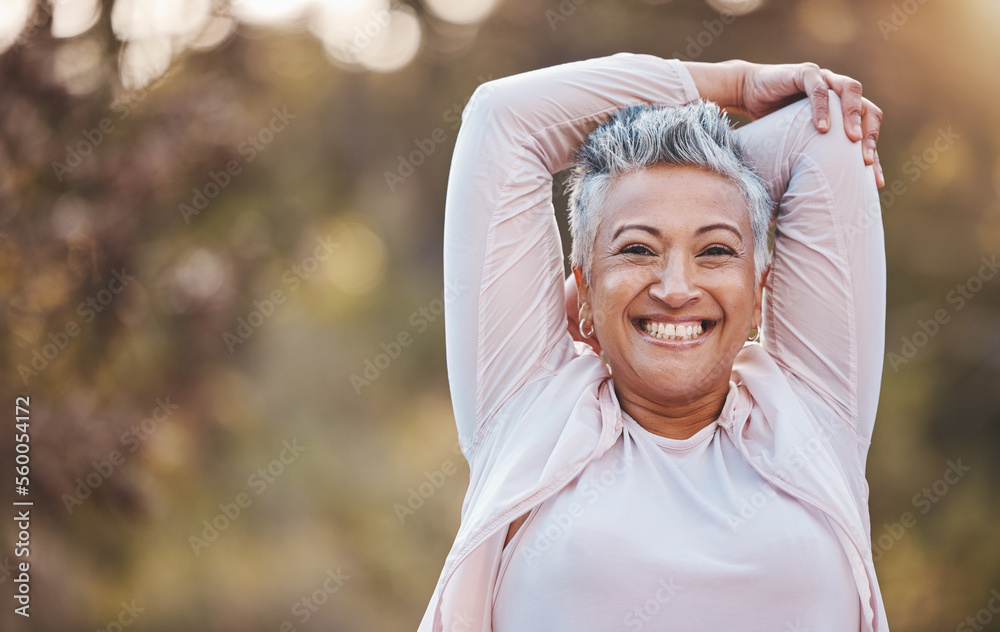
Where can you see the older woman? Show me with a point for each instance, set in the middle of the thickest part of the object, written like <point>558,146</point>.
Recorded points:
<point>709,474</point>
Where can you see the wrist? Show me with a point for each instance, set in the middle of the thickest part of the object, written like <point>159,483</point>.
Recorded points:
<point>721,82</point>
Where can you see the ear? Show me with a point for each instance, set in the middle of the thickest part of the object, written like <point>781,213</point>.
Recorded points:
<point>758,299</point>
<point>582,289</point>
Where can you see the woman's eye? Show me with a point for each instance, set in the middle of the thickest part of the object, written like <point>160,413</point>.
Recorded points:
<point>636,249</point>
<point>719,251</point>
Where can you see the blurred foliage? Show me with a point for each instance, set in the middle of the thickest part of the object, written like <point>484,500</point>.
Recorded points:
<point>345,355</point>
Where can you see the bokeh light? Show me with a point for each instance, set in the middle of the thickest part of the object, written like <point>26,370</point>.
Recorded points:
<point>144,60</point>
<point>271,12</point>
<point>359,262</point>
<point>78,65</point>
<point>74,17</point>
<point>12,18</point>
<point>368,33</point>
<point>461,11</point>
<point>829,21</point>
<point>735,7</point>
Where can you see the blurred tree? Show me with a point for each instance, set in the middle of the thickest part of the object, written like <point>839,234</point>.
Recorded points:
<point>221,232</point>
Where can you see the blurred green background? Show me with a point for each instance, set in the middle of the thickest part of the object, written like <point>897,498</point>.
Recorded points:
<point>220,266</point>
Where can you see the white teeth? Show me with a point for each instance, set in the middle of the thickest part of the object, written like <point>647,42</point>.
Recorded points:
<point>669,331</point>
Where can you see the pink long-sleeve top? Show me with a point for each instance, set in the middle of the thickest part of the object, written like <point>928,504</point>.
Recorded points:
<point>538,418</point>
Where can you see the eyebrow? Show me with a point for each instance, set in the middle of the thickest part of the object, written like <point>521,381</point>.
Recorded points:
<point>720,225</point>
<point>649,229</point>
<point>655,231</point>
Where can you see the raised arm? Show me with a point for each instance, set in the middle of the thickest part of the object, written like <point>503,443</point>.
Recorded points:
<point>503,257</point>
<point>824,312</point>
<point>507,319</point>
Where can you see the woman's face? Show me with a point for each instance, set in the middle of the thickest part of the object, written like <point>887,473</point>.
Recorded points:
<point>673,252</point>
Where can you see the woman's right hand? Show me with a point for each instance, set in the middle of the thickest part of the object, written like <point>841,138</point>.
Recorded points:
<point>759,89</point>
<point>766,88</point>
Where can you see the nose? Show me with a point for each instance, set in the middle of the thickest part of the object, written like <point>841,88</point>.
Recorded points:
<point>675,285</point>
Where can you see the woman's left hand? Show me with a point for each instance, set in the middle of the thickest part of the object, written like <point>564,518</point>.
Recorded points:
<point>766,88</point>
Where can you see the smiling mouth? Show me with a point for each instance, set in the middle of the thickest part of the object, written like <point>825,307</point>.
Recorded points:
<point>675,331</point>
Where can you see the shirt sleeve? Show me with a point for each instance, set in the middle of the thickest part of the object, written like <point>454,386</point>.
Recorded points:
<point>824,310</point>
<point>503,259</point>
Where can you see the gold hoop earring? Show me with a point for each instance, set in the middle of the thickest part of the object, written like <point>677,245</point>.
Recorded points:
<point>756,334</point>
<point>581,321</point>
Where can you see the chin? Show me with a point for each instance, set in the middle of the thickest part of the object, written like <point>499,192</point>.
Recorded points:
<point>676,369</point>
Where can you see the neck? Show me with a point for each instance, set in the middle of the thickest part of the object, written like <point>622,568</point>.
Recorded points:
<point>674,420</point>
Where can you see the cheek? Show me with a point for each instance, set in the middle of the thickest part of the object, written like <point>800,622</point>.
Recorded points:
<point>736,296</point>
<point>612,293</point>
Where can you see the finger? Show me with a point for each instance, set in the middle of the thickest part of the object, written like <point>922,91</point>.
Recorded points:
<point>871,124</point>
<point>851,103</point>
<point>879,176</point>
<point>815,87</point>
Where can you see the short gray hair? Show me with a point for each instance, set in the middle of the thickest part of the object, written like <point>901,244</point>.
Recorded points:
<point>641,136</point>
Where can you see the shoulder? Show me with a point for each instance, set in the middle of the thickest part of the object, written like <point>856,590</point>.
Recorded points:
<point>792,408</point>
<point>563,388</point>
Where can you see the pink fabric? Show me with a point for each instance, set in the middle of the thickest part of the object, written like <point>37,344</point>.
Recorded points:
<point>533,408</point>
<point>655,530</point>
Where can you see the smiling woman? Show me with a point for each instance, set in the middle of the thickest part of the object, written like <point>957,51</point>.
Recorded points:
<point>672,288</point>
<point>679,224</point>
<point>688,456</point>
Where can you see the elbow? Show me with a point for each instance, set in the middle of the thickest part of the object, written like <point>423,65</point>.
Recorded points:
<point>490,102</point>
